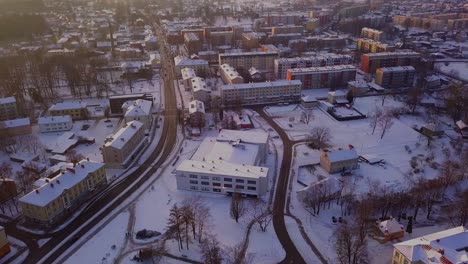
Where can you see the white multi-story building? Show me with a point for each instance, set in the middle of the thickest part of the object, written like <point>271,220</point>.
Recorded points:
<point>261,93</point>
<point>8,108</point>
<point>323,77</point>
<point>227,164</point>
<point>229,75</point>
<point>187,75</point>
<point>122,147</point>
<point>284,64</point>
<point>139,110</point>
<point>55,123</point>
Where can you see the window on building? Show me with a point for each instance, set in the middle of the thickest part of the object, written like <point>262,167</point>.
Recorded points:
<point>252,188</point>
<point>251,182</point>
<point>228,185</point>
<point>193,182</point>
<point>239,186</point>
<point>205,177</point>
<point>193,176</point>
<point>205,183</point>
<point>216,178</point>
<point>206,189</point>
<point>239,180</point>
<point>228,179</point>
<point>193,188</point>
<point>216,184</point>
<point>216,190</point>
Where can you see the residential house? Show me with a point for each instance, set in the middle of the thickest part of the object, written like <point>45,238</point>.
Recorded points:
<point>391,229</point>
<point>139,110</point>
<point>55,123</point>
<point>197,114</point>
<point>339,160</point>
<point>338,97</point>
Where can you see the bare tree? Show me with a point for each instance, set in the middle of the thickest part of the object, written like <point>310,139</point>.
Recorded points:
<point>237,209</point>
<point>350,248</point>
<point>175,225</point>
<point>211,251</point>
<point>320,137</point>
<point>413,98</point>
<point>73,156</point>
<point>386,121</point>
<point>458,211</point>
<point>260,214</point>
<point>238,254</point>
<point>374,118</point>
<point>154,253</point>
<point>32,144</point>
<point>307,116</point>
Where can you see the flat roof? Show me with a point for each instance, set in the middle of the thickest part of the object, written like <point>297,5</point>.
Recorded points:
<point>67,106</point>
<point>16,122</point>
<point>261,84</point>
<point>243,153</point>
<point>245,136</point>
<point>323,69</point>
<point>54,119</point>
<point>223,168</point>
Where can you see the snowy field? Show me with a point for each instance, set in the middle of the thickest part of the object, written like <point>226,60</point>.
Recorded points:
<point>454,69</point>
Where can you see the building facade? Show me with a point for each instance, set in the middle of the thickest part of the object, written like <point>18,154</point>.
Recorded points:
<point>139,110</point>
<point>54,198</point>
<point>370,62</point>
<point>395,77</point>
<point>371,33</point>
<point>261,93</point>
<point>339,160</point>
<point>323,77</point>
<point>284,64</point>
<point>8,108</point>
<point>77,110</point>
<point>263,61</point>
<point>122,147</point>
<point>372,46</point>
<point>55,123</point>
<point>229,75</point>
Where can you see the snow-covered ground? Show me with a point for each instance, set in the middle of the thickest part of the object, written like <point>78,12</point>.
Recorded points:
<point>454,69</point>
<point>105,245</point>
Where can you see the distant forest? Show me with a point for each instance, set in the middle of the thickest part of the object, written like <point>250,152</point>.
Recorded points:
<point>21,26</point>
<point>21,6</point>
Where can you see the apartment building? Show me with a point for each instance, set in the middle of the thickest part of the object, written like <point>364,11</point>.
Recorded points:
<point>15,127</point>
<point>116,101</point>
<point>339,160</point>
<point>4,245</point>
<point>227,164</point>
<point>77,110</point>
<point>197,113</point>
<point>395,77</point>
<point>282,65</point>
<point>263,61</point>
<point>139,110</point>
<point>199,66</point>
<point>288,29</point>
<point>251,40</point>
<point>55,123</point>
<point>220,38</point>
<point>192,43</point>
<point>122,147</point>
<point>8,108</point>
<point>371,33</point>
<point>229,75</point>
<point>372,46</point>
<point>370,62</point>
<point>54,198</point>
<point>200,90</point>
<point>187,75</point>
<point>448,246</point>
<point>261,93</point>
<point>323,77</point>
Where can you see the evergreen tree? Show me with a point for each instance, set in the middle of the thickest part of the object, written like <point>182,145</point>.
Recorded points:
<point>409,227</point>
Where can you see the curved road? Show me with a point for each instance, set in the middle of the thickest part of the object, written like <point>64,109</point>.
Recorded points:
<point>60,241</point>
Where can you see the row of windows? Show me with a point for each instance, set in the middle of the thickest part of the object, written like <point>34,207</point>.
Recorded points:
<point>193,176</point>
<point>226,185</point>
<point>206,189</point>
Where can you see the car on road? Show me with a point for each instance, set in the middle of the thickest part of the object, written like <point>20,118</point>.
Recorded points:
<point>85,127</point>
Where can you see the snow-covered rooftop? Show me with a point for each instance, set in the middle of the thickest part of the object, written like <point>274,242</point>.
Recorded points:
<point>122,136</point>
<point>261,84</point>
<point>448,246</point>
<point>138,107</point>
<point>221,167</point>
<point>341,155</point>
<point>54,119</point>
<point>390,226</point>
<point>231,152</point>
<point>7,100</point>
<point>15,122</point>
<point>67,106</point>
<point>244,136</point>
<point>56,186</point>
<point>184,61</point>
<point>196,106</point>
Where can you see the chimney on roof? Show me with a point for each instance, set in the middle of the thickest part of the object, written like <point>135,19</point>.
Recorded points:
<point>52,185</point>
<point>58,181</point>
<point>123,139</point>
<point>82,166</point>
<point>37,190</point>
<point>87,159</point>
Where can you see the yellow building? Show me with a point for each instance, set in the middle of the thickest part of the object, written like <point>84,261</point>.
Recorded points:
<point>77,110</point>
<point>54,198</point>
<point>339,160</point>
<point>4,246</point>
